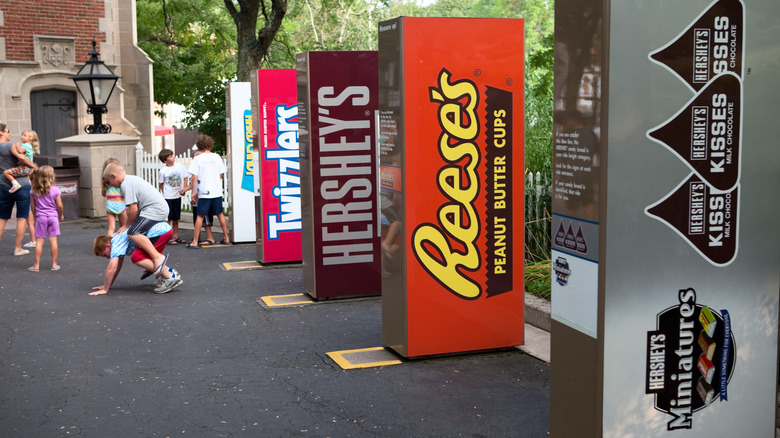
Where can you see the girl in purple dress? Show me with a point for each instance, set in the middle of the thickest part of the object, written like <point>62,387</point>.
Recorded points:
<point>46,205</point>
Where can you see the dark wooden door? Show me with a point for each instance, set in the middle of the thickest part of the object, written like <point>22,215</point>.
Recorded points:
<point>53,117</point>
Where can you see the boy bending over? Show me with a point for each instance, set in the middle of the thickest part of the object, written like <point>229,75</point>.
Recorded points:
<point>146,207</point>
<point>115,248</point>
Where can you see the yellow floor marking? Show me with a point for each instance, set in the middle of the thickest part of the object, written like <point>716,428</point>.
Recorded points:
<point>249,264</point>
<point>287,300</point>
<point>364,358</point>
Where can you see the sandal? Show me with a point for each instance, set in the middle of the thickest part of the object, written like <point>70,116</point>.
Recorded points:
<point>224,242</point>
<point>206,242</point>
<point>161,266</point>
<point>190,245</point>
<point>176,241</point>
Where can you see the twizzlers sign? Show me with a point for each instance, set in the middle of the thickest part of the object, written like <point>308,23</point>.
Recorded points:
<point>449,250</point>
<point>280,180</point>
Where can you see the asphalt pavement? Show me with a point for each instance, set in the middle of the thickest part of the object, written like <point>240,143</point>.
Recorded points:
<point>207,360</point>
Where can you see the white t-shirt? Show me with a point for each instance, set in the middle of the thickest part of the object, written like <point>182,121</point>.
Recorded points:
<point>208,166</point>
<point>172,179</point>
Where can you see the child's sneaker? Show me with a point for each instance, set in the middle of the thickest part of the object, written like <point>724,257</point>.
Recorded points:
<point>29,244</point>
<point>14,186</point>
<point>169,284</point>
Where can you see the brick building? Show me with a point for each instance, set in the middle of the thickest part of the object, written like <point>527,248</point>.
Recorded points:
<point>43,44</point>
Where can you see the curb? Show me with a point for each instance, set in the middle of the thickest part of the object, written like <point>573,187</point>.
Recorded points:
<point>537,312</point>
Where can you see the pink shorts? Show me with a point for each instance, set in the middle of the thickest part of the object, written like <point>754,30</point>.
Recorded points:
<point>46,226</point>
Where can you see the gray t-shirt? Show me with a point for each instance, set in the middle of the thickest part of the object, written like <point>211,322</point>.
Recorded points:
<point>8,161</point>
<point>151,203</point>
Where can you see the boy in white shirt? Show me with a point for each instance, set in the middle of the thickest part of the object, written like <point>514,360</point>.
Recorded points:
<point>207,169</point>
<point>171,179</point>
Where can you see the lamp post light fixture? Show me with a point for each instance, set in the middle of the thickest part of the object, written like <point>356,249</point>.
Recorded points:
<point>95,82</point>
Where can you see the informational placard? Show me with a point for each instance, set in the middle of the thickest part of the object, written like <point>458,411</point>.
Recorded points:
<point>451,157</point>
<point>679,334</point>
<point>338,102</point>
<point>275,116</point>
<point>238,96</point>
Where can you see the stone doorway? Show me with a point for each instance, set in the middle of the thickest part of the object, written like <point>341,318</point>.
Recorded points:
<point>53,117</point>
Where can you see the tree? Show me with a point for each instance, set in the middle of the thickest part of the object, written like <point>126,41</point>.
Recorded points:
<point>254,43</point>
<point>333,25</point>
<point>192,43</point>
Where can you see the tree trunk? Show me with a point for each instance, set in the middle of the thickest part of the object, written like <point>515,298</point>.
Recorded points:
<point>253,43</point>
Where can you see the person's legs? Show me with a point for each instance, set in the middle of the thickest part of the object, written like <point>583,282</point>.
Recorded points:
<point>31,227</point>
<point>22,199</point>
<point>53,231</point>
<point>6,206</point>
<point>174,215</point>
<point>8,173</point>
<point>21,230</point>
<point>41,232</point>
<point>215,208</point>
<point>146,265</point>
<point>55,251</point>
<point>141,258</point>
<point>137,234</point>
<point>111,217</point>
<point>122,219</point>
<point>208,221</point>
<point>38,251</point>
<point>170,279</point>
<point>223,225</point>
<point>196,236</point>
<point>145,244</point>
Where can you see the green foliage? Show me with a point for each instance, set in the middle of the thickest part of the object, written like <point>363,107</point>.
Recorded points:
<point>538,109</point>
<point>538,279</point>
<point>315,25</point>
<point>192,43</point>
<point>207,114</point>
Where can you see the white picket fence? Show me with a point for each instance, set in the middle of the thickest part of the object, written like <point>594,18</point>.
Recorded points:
<point>147,166</point>
<point>538,221</point>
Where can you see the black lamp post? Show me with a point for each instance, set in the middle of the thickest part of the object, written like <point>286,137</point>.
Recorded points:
<point>95,82</point>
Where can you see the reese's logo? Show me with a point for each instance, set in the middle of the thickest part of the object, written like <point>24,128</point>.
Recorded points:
<point>448,250</point>
<point>457,218</point>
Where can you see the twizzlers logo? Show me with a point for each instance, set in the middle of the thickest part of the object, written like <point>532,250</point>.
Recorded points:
<point>448,250</point>
<point>706,133</point>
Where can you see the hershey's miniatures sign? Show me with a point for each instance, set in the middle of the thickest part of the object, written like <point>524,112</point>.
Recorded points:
<point>690,359</point>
